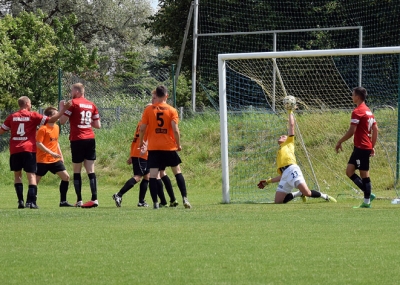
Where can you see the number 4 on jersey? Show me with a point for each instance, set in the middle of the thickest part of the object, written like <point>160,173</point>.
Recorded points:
<point>21,129</point>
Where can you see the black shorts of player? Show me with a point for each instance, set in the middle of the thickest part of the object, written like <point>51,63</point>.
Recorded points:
<point>43,168</point>
<point>83,150</point>
<point>360,158</point>
<point>23,160</point>
<point>162,158</point>
<point>139,166</point>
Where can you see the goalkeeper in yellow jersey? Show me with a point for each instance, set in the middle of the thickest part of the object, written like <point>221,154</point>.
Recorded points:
<point>290,175</point>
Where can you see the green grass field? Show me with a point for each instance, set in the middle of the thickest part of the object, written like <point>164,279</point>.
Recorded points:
<point>298,243</point>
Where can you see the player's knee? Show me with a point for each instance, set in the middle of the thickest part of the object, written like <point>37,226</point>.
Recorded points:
<point>64,176</point>
<point>349,173</point>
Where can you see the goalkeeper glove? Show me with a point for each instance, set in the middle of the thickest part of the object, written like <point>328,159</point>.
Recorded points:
<point>263,183</point>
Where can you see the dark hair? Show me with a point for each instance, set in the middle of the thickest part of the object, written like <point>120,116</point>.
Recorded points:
<point>360,91</point>
<point>161,91</point>
<point>50,111</point>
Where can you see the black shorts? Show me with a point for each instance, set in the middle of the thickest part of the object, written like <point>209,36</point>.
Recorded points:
<point>360,158</point>
<point>162,158</point>
<point>139,166</point>
<point>83,150</point>
<point>43,168</point>
<point>23,160</point>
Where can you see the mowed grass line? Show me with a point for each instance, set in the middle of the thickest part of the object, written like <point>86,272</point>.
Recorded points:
<point>297,243</point>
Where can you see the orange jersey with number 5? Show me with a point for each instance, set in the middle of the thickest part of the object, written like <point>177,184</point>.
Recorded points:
<point>159,118</point>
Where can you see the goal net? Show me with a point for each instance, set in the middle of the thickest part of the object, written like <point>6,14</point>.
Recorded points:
<point>251,89</point>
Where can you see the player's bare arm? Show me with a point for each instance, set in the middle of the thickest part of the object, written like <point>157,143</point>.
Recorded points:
<point>61,106</point>
<point>57,116</point>
<point>291,123</point>
<point>143,149</point>
<point>177,135</point>
<point>265,182</point>
<point>60,152</point>
<point>374,138</point>
<point>96,124</point>
<point>142,131</point>
<point>350,132</point>
<point>45,149</point>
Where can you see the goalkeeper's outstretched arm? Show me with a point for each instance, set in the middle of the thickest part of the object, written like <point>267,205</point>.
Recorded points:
<point>264,183</point>
<point>291,123</point>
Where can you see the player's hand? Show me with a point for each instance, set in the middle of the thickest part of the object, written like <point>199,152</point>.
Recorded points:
<point>65,105</point>
<point>143,149</point>
<point>179,148</point>
<point>55,155</point>
<point>290,111</point>
<point>264,183</point>
<point>338,147</point>
<point>129,161</point>
<point>61,105</point>
<point>372,152</point>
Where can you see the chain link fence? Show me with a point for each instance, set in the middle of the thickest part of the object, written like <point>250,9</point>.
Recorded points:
<point>118,100</point>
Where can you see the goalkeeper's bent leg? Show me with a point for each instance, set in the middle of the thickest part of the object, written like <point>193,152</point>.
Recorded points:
<point>289,197</point>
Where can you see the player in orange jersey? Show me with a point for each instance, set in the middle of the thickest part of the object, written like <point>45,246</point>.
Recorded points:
<point>161,122</point>
<point>49,156</point>
<point>138,159</point>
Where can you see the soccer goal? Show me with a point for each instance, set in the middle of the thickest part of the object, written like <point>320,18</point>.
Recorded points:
<point>251,89</point>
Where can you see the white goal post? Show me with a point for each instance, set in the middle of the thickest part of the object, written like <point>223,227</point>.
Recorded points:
<point>222,73</point>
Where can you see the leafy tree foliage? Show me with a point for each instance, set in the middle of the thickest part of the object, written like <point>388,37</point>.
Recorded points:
<point>378,19</point>
<point>167,29</point>
<point>32,51</point>
<point>112,27</point>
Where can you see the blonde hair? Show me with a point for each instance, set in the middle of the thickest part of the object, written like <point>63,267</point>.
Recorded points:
<point>22,101</point>
<point>79,87</point>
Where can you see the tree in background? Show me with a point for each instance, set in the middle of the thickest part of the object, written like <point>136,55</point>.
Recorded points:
<point>378,19</point>
<point>166,29</point>
<point>111,27</point>
<point>33,51</point>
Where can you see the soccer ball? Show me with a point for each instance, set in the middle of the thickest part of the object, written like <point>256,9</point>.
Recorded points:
<point>289,102</point>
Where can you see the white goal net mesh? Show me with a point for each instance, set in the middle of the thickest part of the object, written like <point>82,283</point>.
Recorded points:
<point>322,87</point>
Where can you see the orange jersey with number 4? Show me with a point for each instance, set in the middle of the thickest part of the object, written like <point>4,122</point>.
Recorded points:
<point>48,136</point>
<point>159,118</point>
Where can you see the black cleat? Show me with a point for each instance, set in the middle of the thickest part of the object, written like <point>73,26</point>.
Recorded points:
<point>33,206</point>
<point>65,204</point>
<point>21,204</point>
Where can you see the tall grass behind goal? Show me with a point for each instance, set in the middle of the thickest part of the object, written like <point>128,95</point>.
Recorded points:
<point>251,89</point>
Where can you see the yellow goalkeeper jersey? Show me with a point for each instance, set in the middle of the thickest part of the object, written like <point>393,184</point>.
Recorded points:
<point>285,155</point>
